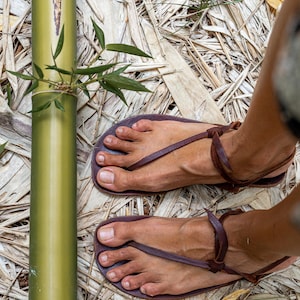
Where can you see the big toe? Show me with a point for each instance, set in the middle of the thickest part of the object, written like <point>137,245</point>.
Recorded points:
<point>114,179</point>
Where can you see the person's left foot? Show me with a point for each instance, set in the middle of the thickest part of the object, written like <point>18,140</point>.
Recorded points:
<point>193,238</point>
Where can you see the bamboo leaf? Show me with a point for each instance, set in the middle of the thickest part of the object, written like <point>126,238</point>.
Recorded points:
<point>21,75</point>
<point>34,84</point>
<point>59,105</point>
<point>94,70</point>
<point>82,86</point>
<point>120,70</point>
<point>114,90</point>
<point>38,71</point>
<point>127,49</point>
<point>122,82</point>
<point>86,91</point>
<point>41,107</point>
<point>99,34</point>
<point>8,93</point>
<point>2,148</point>
<point>60,43</point>
<point>59,70</point>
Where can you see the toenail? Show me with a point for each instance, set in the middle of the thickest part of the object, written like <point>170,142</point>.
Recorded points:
<point>103,258</point>
<point>126,285</point>
<point>106,176</point>
<point>143,290</point>
<point>120,130</point>
<point>111,275</point>
<point>108,140</point>
<point>100,158</point>
<point>106,234</point>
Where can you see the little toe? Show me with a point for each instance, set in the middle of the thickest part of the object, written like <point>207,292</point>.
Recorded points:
<point>134,282</point>
<point>153,289</point>
<point>143,125</point>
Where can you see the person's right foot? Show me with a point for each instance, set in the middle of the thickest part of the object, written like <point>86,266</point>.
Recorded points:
<point>191,164</point>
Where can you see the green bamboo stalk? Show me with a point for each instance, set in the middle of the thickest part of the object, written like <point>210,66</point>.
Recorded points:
<point>53,243</point>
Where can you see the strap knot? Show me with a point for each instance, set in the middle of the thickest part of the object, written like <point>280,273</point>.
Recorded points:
<point>219,130</point>
<point>215,266</point>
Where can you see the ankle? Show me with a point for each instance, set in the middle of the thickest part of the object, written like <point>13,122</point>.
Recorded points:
<point>249,162</point>
<point>248,244</point>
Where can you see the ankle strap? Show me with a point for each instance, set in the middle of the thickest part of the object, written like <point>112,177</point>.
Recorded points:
<point>221,242</point>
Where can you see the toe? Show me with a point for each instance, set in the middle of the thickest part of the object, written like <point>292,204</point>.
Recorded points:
<point>117,234</point>
<point>143,125</point>
<point>134,282</point>
<point>109,258</point>
<point>128,134</point>
<point>115,143</point>
<point>114,179</point>
<point>119,273</point>
<point>108,159</point>
<point>153,289</point>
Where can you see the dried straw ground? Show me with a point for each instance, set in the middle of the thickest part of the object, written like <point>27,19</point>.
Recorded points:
<point>204,67</point>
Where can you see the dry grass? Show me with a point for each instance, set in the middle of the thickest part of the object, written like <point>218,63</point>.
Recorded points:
<point>204,67</point>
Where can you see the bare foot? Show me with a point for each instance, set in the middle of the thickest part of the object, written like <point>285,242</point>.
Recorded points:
<point>193,238</point>
<point>189,165</point>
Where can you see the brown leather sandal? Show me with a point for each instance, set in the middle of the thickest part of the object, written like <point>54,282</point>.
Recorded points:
<point>218,155</point>
<point>215,265</point>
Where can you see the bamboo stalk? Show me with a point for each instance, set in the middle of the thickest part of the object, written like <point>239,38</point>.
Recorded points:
<point>53,245</point>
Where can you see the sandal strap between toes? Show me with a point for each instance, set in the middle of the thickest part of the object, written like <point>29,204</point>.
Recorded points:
<point>221,246</point>
<point>216,130</point>
<point>162,152</point>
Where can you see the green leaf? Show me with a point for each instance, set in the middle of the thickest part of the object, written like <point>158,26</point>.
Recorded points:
<point>22,76</point>
<point>59,105</point>
<point>120,70</point>
<point>83,87</point>
<point>41,107</point>
<point>99,34</point>
<point>127,49</point>
<point>59,70</point>
<point>60,43</point>
<point>38,71</point>
<point>2,148</point>
<point>94,70</point>
<point>34,84</point>
<point>126,83</point>
<point>85,91</point>
<point>114,90</point>
<point>8,93</point>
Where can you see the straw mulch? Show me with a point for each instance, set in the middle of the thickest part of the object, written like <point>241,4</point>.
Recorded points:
<point>204,66</point>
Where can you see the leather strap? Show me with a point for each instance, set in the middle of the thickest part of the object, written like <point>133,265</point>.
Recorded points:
<point>215,265</point>
<point>222,164</point>
<point>219,129</point>
<point>221,246</point>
